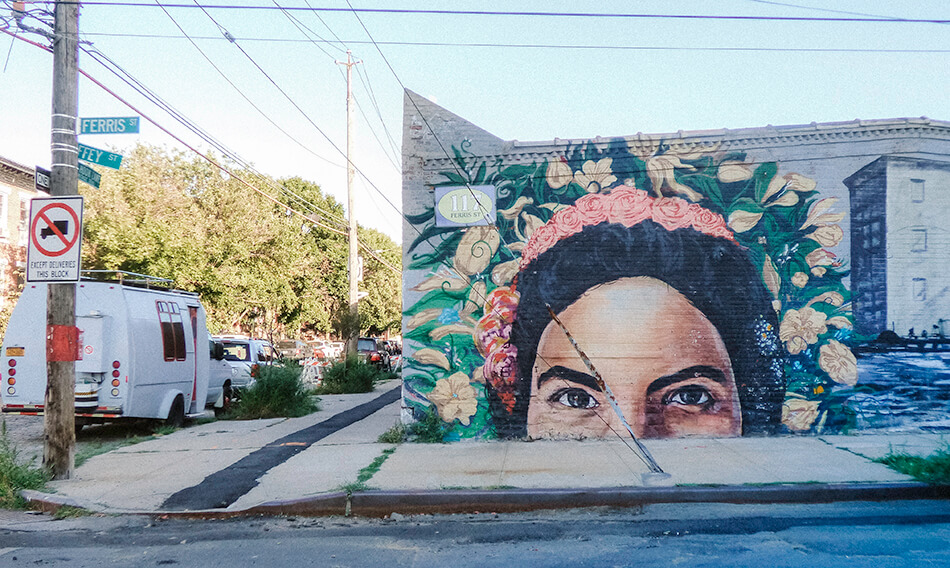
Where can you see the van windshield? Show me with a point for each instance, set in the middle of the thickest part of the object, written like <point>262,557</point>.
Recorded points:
<point>236,351</point>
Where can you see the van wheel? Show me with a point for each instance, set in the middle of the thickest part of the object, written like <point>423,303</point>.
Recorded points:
<point>176,414</point>
<point>228,397</point>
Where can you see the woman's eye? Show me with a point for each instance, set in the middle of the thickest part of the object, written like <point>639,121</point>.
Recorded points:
<point>575,398</point>
<point>690,395</point>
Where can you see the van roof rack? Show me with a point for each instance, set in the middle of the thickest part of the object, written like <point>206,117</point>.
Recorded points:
<point>129,278</point>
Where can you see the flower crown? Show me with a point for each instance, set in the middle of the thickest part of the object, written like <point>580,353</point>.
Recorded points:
<point>626,206</point>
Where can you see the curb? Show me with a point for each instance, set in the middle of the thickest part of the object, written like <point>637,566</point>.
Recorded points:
<point>385,503</point>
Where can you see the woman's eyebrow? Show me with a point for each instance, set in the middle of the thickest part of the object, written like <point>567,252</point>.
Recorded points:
<point>567,374</point>
<point>686,374</point>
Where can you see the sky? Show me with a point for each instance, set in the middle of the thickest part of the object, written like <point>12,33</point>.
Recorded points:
<point>524,77</point>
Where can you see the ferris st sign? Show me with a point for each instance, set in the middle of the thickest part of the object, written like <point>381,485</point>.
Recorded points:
<point>105,125</point>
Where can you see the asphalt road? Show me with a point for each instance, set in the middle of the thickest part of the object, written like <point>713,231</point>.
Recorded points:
<point>909,533</point>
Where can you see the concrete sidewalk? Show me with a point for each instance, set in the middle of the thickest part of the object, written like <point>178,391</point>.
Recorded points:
<point>141,477</point>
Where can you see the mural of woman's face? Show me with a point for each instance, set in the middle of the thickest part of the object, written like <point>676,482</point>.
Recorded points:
<point>662,358</point>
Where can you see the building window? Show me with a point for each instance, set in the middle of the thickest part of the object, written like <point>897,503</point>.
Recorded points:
<point>173,330</point>
<point>4,212</point>
<point>24,228</point>
<point>920,289</point>
<point>875,233</point>
<point>917,190</point>
<point>918,241</point>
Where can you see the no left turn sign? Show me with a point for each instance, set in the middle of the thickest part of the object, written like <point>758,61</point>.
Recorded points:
<point>53,253</point>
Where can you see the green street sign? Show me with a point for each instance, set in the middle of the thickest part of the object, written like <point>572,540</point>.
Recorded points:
<point>89,175</point>
<point>118,125</point>
<point>101,157</point>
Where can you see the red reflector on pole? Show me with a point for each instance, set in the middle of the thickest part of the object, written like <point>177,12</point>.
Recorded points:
<point>63,343</point>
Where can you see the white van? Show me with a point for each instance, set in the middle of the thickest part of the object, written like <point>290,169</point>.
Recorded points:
<point>145,352</point>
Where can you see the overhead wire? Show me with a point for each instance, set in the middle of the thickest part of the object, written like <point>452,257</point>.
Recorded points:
<point>137,85</point>
<point>243,95</point>
<point>301,111</point>
<point>305,30</point>
<point>527,13</point>
<point>495,45</point>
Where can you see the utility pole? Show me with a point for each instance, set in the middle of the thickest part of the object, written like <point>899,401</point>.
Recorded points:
<point>60,413</point>
<point>351,210</point>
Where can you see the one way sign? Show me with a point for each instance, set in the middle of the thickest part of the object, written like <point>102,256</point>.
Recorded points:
<point>53,253</point>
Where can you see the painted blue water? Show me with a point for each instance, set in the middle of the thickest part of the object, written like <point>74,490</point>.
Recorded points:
<point>910,391</point>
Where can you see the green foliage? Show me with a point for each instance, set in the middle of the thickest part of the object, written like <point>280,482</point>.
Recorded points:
<point>257,268</point>
<point>934,469</point>
<point>351,375</point>
<point>277,392</point>
<point>86,450</point>
<point>367,473</point>
<point>395,435</point>
<point>69,512</point>
<point>16,475</point>
<point>429,430</point>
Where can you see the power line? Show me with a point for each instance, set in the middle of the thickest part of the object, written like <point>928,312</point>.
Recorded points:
<point>243,95</point>
<point>615,15</point>
<point>487,45</point>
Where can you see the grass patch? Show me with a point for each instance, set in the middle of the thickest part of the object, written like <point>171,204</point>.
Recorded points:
<point>87,450</point>
<point>277,392</point>
<point>395,435</point>
<point>70,512</point>
<point>16,475</point>
<point>429,430</point>
<point>367,473</point>
<point>934,469</point>
<point>351,375</point>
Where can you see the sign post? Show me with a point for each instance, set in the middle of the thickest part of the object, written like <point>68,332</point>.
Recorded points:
<point>53,253</point>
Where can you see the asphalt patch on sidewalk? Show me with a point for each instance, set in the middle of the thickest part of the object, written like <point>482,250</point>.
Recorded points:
<point>219,490</point>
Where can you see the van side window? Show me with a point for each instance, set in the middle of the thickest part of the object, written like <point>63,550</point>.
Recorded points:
<point>173,330</point>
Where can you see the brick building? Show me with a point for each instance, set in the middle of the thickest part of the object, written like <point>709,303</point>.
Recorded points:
<point>17,189</point>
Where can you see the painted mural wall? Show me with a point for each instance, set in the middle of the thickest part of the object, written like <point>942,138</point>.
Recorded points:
<point>686,285</point>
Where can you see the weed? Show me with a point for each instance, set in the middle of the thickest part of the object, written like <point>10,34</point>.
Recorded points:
<point>165,430</point>
<point>70,512</point>
<point>395,435</point>
<point>429,430</point>
<point>367,473</point>
<point>934,468</point>
<point>277,392</point>
<point>88,450</point>
<point>351,375</point>
<point>15,475</point>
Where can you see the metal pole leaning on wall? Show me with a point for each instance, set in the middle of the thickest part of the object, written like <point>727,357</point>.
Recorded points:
<point>60,435</point>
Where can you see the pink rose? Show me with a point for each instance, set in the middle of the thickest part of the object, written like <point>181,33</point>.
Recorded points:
<point>705,221</point>
<point>628,207</point>
<point>672,213</point>
<point>542,239</point>
<point>499,366</point>
<point>593,208</point>
<point>568,222</point>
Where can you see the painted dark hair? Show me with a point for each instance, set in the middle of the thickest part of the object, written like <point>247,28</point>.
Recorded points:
<point>715,275</point>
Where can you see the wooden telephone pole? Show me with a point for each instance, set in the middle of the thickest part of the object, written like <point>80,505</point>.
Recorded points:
<point>60,413</point>
<point>351,211</point>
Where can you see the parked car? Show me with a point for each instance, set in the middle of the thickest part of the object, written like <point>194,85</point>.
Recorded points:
<point>293,349</point>
<point>246,355</point>
<point>373,353</point>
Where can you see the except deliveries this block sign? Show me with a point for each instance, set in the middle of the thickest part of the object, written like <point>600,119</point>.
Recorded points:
<point>115,125</point>
<point>55,240</point>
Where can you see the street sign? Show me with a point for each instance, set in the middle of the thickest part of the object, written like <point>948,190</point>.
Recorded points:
<point>89,175</point>
<point>41,179</point>
<point>55,240</point>
<point>118,125</point>
<point>101,157</point>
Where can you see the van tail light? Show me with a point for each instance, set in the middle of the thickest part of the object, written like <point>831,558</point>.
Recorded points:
<point>376,357</point>
<point>116,364</point>
<point>255,370</point>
